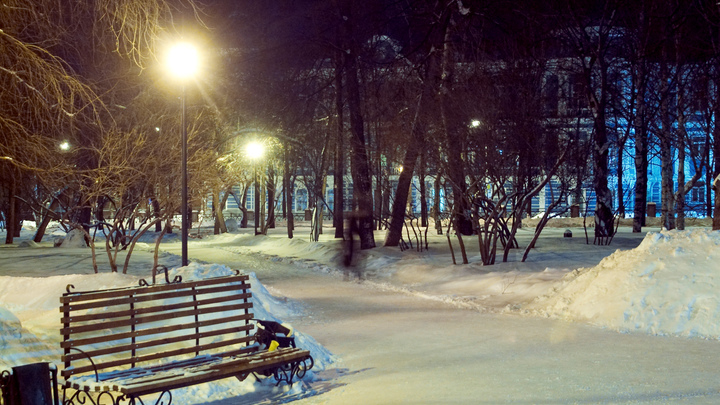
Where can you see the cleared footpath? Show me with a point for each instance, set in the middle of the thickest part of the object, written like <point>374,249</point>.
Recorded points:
<point>397,349</point>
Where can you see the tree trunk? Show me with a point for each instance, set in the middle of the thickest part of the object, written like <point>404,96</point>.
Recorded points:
<point>641,150</point>
<point>708,173</point>
<point>156,212</point>
<point>47,216</point>
<point>666,163</point>
<point>436,206</point>
<point>218,203</point>
<point>682,139</point>
<point>680,197</point>
<point>423,192</point>
<point>601,146</point>
<point>620,186</point>
<point>260,212</point>
<point>423,111</point>
<point>320,204</point>
<point>243,208</point>
<point>11,219</point>
<point>454,128</point>
<point>288,191</point>
<point>84,221</point>
<point>716,160</point>
<point>271,198</point>
<point>362,191</point>
<point>339,178</point>
<point>716,144</point>
<point>397,215</point>
<point>378,184</point>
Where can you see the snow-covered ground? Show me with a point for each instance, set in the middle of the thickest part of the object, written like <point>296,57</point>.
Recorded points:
<point>662,283</point>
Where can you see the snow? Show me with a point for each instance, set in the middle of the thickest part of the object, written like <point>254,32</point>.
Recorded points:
<point>74,239</point>
<point>665,286</point>
<point>659,283</point>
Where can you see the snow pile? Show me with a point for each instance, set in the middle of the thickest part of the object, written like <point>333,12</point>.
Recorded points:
<point>74,239</point>
<point>29,317</point>
<point>665,286</point>
<point>29,324</point>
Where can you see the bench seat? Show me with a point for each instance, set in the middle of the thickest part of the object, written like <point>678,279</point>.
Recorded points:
<point>140,381</point>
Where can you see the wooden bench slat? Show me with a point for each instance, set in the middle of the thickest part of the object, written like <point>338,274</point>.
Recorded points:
<point>157,342</point>
<point>238,352</point>
<point>155,356</point>
<point>159,368</point>
<point>155,377</point>
<point>67,344</point>
<point>140,320</point>
<point>210,363</point>
<point>137,298</point>
<point>152,289</point>
<point>211,374</point>
<point>149,310</point>
<point>130,372</point>
<point>151,379</point>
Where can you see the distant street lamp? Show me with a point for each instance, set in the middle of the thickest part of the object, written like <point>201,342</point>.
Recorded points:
<point>183,62</point>
<point>255,151</point>
<point>65,145</point>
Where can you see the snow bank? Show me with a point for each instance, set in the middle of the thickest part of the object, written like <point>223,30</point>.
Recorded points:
<point>74,239</point>
<point>29,317</point>
<point>668,285</point>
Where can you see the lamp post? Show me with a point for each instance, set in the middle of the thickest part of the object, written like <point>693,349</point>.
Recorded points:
<point>183,61</point>
<point>255,151</point>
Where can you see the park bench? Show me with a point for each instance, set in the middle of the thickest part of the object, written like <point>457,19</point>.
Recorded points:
<point>121,344</point>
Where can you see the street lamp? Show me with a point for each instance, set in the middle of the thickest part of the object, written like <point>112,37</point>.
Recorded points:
<point>182,62</point>
<point>255,151</point>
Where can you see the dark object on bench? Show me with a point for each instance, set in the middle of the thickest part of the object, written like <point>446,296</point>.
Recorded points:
<point>200,331</point>
<point>269,331</point>
<point>271,336</point>
<point>31,384</point>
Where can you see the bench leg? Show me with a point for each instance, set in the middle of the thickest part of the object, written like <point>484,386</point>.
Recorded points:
<point>80,397</point>
<point>167,395</point>
<point>106,398</point>
<point>288,372</point>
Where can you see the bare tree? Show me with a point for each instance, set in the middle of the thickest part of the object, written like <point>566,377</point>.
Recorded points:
<point>56,83</point>
<point>593,36</point>
<point>423,110</point>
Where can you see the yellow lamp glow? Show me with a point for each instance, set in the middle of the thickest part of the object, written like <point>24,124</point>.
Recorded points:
<point>254,150</point>
<point>183,60</point>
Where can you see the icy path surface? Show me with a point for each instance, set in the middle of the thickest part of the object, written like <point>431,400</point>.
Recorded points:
<point>396,348</point>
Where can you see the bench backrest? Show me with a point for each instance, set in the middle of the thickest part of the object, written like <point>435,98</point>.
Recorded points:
<point>121,328</point>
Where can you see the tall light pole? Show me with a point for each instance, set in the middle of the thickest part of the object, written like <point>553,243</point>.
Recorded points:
<point>183,62</point>
<point>255,151</point>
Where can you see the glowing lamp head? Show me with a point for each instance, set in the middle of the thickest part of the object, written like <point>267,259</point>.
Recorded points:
<point>183,60</point>
<point>254,150</point>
